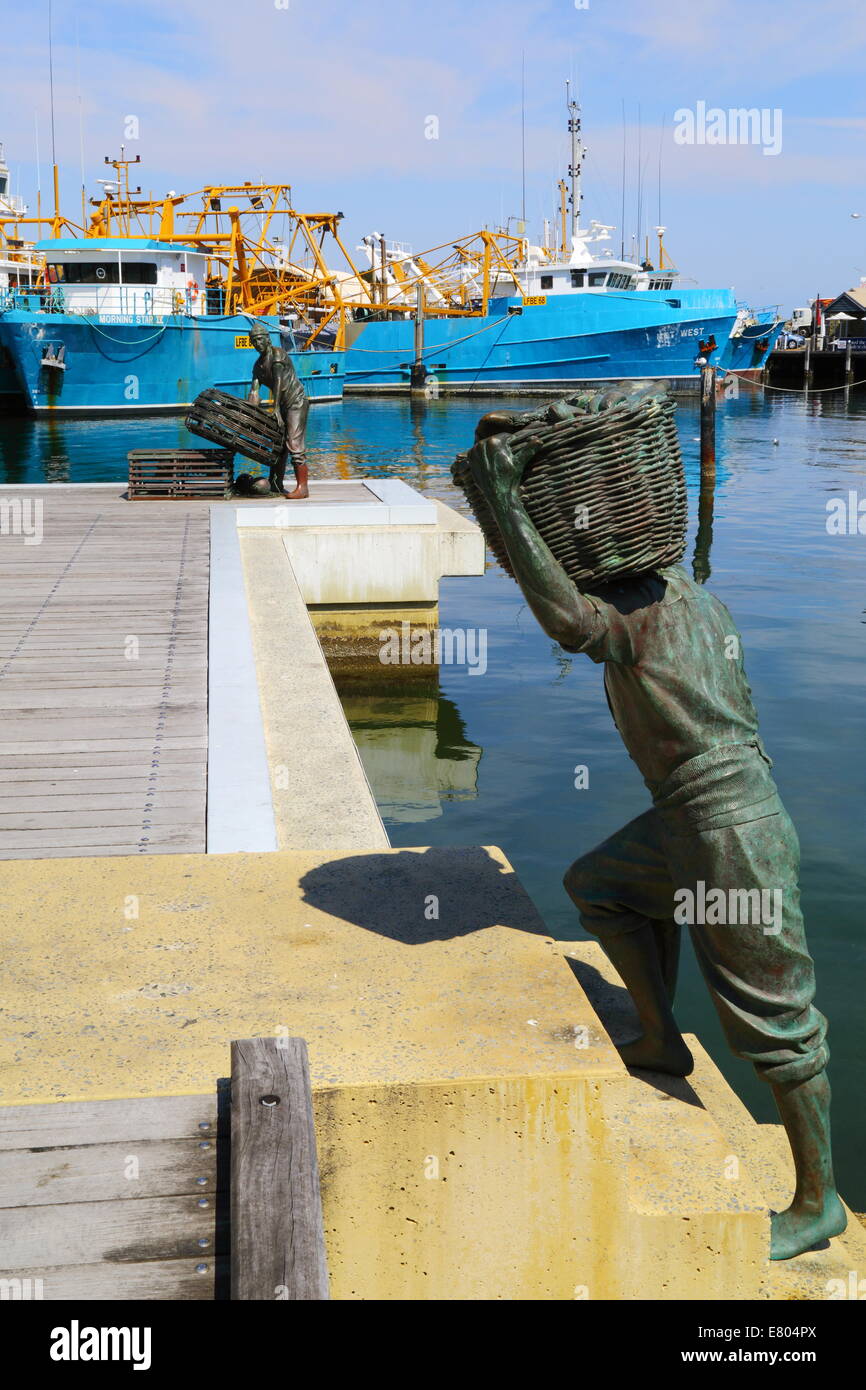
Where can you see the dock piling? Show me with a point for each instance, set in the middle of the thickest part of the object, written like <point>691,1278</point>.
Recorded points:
<point>708,421</point>
<point>418,372</point>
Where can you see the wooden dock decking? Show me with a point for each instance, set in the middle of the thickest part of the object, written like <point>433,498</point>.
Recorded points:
<point>103,674</point>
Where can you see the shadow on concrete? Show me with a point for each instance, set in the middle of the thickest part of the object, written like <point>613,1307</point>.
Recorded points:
<point>397,894</point>
<point>615,1009</point>
<point>417,896</point>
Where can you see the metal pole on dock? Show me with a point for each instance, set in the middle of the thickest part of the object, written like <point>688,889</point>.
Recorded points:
<point>708,422</point>
<point>849,370</point>
<point>384,286</point>
<point>807,368</point>
<point>418,374</point>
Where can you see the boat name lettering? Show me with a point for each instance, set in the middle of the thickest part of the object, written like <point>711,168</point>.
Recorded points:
<point>533,299</point>
<point>145,319</point>
<point>242,341</point>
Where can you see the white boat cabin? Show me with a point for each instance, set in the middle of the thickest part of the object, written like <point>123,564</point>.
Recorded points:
<point>542,271</point>
<point>124,277</point>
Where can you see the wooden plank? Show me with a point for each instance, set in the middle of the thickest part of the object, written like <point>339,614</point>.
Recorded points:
<point>277,1232</point>
<point>30,747</point>
<point>96,1172</point>
<point>135,815</point>
<point>69,697</point>
<point>99,851</point>
<point>76,839</point>
<point>149,1118</point>
<point>188,1280</point>
<point>89,764</point>
<point>120,1232</point>
<point>120,791</point>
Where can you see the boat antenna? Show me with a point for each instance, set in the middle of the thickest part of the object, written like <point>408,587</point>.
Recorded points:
<point>523,136</point>
<point>51,94</point>
<point>80,125</point>
<point>577,152</point>
<point>38,168</point>
<point>51,79</point>
<point>639,182</point>
<point>661,143</point>
<point>622,215</point>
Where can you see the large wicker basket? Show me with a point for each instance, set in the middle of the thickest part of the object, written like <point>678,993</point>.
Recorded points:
<point>605,489</point>
<point>238,425</point>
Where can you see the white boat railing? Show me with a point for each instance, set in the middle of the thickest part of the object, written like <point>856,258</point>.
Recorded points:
<point>120,302</point>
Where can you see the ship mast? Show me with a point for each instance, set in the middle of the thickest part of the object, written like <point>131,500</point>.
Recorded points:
<point>577,152</point>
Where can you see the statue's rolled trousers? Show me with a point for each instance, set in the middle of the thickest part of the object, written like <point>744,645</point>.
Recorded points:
<point>677,690</point>
<point>274,369</point>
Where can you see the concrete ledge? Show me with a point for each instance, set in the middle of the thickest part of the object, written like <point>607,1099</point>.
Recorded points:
<point>735,1159</point>
<point>380,565</point>
<point>320,793</point>
<point>369,502</point>
<point>239,809</point>
<point>340,949</point>
<point>479,1137</point>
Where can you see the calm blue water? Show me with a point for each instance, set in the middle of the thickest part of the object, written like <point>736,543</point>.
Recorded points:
<point>490,759</point>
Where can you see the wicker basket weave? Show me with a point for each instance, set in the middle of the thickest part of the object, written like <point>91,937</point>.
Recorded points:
<point>605,490</point>
<point>238,425</point>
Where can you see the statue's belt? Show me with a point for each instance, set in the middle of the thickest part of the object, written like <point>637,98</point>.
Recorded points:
<point>728,785</point>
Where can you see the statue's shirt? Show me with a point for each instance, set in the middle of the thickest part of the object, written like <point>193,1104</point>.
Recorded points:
<point>281,367</point>
<point>675,683</point>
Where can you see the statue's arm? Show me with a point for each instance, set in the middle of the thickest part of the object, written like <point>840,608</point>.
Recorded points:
<point>277,393</point>
<point>563,612</point>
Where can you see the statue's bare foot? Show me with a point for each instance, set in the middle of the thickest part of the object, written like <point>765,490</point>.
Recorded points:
<point>668,1054</point>
<point>800,1227</point>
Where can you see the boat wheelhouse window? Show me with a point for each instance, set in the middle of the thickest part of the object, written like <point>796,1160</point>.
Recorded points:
<point>619,280</point>
<point>578,279</point>
<point>597,278</point>
<point>138,273</point>
<point>547,282</point>
<point>83,273</point>
<point>102,273</point>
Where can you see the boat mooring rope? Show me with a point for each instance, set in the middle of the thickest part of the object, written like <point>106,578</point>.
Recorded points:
<point>790,390</point>
<point>443,347</point>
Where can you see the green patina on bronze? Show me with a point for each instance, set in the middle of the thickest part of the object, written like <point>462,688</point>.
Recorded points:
<point>274,369</point>
<point>717,833</point>
<point>268,437</point>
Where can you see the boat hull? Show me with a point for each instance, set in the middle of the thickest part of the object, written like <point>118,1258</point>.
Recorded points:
<point>744,352</point>
<point>138,367</point>
<point>569,340</point>
<point>11,396</point>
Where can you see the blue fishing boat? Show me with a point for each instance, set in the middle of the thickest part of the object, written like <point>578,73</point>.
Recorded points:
<point>129,324</point>
<point>752,339</point>
<point>499,312</point>
<point>551,340</point>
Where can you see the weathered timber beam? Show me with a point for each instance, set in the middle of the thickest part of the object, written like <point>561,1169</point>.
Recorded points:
<point>277,1234</point>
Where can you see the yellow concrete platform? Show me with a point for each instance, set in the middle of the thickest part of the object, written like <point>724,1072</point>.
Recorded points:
<point>701,1123</point>
<point>458,1070</point>
<point>341,950</point>
<point>478,1135</point>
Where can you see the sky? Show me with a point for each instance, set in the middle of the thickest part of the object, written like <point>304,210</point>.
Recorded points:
<point>339,99</point>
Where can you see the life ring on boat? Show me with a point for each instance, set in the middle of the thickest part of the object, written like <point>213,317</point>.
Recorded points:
<point>192,285</point>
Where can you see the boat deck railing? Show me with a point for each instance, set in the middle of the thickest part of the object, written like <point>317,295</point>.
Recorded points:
<point>123,301</point>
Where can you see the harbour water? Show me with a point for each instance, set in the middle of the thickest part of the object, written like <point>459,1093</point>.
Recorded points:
<point>489,756</point>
